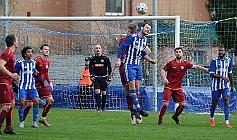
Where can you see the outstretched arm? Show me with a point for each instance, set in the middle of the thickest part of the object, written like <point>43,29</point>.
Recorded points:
<point>152,61</point>
<point>113,70</point>
<point>200,68</point>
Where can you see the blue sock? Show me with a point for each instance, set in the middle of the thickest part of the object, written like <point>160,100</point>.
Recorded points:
<point>212,111</point>
<point>226,112</point>
<point>21,114</point>
<point>134,98</point>
<point>35,114</point>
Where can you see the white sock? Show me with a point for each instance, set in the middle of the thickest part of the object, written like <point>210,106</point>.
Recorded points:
<point>227,122</point>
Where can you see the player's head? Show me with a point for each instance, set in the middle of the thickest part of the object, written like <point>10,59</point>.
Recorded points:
<point>221,51</point>
<point>145,28</point>
<point>11,40</point>
<point>44,49</point>
<point>132,28</point>
<point>87,61</point>
<point>178,52</point>
<point>27,53</point>
<point>98,50</point>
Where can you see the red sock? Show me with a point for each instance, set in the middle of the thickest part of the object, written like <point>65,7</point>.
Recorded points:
<point>178,111</point>
<point>9,119</point>
<point>162,112</point>
<point>129,102</point>
<point>26,111</point>
<point>46,109</point>
<point>3,115</point>
<point>139,97</point>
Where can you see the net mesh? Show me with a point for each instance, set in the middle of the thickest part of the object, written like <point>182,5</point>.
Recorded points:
<point>71,41</point>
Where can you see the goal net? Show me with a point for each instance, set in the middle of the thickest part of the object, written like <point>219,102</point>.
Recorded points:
<point>71,39</point>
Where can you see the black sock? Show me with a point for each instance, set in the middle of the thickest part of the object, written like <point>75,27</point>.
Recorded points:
<point>97,100</point>
<point>103,101</point>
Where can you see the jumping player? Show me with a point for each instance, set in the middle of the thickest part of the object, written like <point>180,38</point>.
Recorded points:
<point>132,28</point>
<point>135,46</point>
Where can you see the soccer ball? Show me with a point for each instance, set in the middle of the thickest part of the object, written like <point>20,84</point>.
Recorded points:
<point>141,8</point>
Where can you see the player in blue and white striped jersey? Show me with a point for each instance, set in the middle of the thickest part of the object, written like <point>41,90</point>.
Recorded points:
<point>221,72</point>
<point>135,45</point>
<point>26,68</point>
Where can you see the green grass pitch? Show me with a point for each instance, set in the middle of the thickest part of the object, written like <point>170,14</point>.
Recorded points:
<point>73,124</point>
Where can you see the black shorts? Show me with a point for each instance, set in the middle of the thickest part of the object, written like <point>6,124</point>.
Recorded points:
<point>100,83</point>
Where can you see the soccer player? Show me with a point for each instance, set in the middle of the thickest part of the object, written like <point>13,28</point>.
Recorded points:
<point>7,75</point>
<point>172,74</point>
<point>135,46</point>
<point>100,69</point>
<point>221,72</point>
<point>26,68</point>
<point>132,28</point>
<point>42,66</point>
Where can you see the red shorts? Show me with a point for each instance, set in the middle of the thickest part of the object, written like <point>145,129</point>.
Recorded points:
<point>177,95</point>
<point>6,94</point>
<point>121,72</point>
<point>43,92</point>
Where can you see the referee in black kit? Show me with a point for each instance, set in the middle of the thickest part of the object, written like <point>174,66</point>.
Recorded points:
<point>100,69</point>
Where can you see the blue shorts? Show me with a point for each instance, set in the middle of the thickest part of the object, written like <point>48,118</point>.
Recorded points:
<point>217,93</point>
<point>30,93</point>
<point>132,72</point>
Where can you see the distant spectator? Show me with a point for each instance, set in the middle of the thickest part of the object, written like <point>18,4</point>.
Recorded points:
<point>84,85</point>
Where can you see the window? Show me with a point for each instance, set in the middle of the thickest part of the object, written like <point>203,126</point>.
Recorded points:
<point>115,7</point>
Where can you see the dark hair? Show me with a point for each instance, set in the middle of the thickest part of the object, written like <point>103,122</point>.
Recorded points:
<point>41,47</point>
<point>179,48</point>
<point>145,23</point>
<point>23,52</point>
<point>10,39</point>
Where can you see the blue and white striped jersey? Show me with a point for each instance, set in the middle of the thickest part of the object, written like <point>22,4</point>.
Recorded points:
<point>135,49</point>
<point>222,68</point>
<point>25,70</point>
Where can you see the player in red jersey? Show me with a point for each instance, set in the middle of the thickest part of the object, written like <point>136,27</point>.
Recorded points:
<point>173,74</point>
<point>42,66</point>
<point>7,75</point>
<point>132,28</point>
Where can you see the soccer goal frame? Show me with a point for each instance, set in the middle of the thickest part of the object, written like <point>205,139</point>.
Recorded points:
<point>117,18</point>
<point>176,18</point>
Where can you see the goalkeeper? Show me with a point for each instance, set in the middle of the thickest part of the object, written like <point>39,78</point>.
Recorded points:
<point>100,69</point>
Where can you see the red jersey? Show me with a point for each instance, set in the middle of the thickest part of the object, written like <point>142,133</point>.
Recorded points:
<point>175,73</point>
<point>42,66</point>
<point>123,51</point>
<point>8,56</point>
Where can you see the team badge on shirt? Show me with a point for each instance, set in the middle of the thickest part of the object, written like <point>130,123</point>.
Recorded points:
<point>182,67</point>
<point>47,66</point>
<point>102,60</point>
